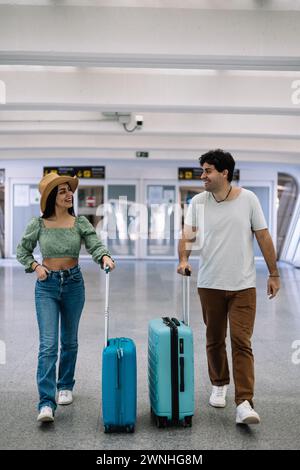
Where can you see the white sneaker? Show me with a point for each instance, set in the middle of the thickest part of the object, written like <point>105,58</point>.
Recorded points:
<point>46,414</point>
<point>218,396</point>
<point>245,414</point>
<point>64,397</point>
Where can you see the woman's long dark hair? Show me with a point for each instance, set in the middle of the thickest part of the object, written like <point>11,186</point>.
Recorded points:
<point>50,205</point>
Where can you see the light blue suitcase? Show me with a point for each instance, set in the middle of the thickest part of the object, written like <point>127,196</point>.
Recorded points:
<point>119,380</point>
<point>171,367</point>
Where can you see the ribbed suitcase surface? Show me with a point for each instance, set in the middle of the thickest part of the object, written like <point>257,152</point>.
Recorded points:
<point>119,379</point>
<point>171,372</point>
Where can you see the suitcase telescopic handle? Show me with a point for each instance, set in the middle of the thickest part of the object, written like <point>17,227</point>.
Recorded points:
<point>106,309</point>
<point>186,297</point>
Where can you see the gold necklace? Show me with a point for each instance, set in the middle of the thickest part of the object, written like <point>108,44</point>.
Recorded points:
<point>225,197</point>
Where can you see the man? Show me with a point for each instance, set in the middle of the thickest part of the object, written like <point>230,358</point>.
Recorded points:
<point>225,218</point>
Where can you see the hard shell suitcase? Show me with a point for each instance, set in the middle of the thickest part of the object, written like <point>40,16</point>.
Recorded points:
<point>119,379</point>
<point>171,367</point>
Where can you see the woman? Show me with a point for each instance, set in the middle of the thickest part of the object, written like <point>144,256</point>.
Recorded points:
<point>59,290</point>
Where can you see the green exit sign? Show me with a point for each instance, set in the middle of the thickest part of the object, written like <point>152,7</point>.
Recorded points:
<point>142,154</point>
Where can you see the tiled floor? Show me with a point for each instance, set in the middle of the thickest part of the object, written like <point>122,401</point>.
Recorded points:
<point>141,291</point>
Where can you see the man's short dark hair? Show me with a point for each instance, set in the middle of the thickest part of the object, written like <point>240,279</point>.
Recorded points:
<point>221,160</point>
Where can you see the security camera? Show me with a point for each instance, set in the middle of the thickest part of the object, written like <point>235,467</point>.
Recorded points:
<point>139,121</point>
<point>126,118</point>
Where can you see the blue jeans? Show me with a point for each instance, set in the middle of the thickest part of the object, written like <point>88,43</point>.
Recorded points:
<point>61,295</point>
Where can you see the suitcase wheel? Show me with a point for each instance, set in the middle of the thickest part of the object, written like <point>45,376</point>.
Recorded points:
<point>129,429</point>
<point>107,429</point>
<point>161,422</point>
<point>187,422</point>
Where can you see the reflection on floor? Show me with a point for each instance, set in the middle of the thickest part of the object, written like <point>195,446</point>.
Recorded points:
<point>141,291</point>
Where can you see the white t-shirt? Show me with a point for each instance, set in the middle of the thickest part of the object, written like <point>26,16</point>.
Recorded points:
<point>226,239</point>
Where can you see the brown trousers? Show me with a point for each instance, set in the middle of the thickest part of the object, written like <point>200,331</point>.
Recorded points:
<point>239,307</point>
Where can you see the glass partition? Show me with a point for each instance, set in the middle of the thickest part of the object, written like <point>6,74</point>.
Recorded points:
<point>160,205</point>
<point>26,199</point>
<point>89,197</point>
<point>122,237</point>
<point>263,194</point>
<point>2,206</point>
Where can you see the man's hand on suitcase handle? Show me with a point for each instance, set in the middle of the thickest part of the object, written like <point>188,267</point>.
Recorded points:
<point>184,268</point>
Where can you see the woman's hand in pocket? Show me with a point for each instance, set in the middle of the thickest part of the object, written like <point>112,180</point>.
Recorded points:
<point>41,272</point>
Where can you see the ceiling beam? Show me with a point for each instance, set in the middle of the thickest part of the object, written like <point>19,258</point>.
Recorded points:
<point>149,37</point>
<point>205,92</point>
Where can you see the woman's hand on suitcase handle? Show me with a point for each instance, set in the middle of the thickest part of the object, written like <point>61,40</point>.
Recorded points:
<point>183,267</point>
<point>108,263</point>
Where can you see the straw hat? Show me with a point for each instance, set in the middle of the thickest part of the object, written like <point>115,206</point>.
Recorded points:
<point>52,180</point>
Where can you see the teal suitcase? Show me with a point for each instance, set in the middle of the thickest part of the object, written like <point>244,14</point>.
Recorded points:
<point>119,379</point>
<point>171,367</point>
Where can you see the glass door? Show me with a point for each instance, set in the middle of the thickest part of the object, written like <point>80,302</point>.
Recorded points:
<point>264,195</point>
<point>25,205</point>
<point>160,200</point>
<point>89,198</point>
<point>287,194</point>
<point>2,206</point>
<point>122,237</point>
<point>186,194</point>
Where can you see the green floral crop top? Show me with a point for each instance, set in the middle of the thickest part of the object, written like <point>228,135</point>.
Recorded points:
<point>59,242</point>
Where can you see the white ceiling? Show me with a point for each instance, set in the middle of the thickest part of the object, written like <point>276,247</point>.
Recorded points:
<point>282,5</point>
<point>201,79</point>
